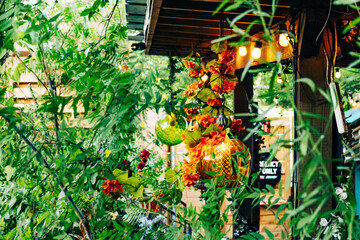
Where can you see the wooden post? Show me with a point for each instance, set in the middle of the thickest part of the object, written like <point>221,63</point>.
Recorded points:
<point>316,51</point>
<point>243,94</point>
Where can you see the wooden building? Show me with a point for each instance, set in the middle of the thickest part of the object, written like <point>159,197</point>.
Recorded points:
<point>175,28</point>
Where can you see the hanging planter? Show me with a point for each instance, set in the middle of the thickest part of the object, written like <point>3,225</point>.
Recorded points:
<point>231,164</point>
<point>213,135</point>
<point>169,129</point>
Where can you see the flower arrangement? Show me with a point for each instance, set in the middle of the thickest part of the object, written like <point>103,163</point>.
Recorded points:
<point>211,129</point>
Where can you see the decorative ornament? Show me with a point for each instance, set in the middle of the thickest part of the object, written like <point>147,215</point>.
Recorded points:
<point>169,129</point>
<point>224,155</point>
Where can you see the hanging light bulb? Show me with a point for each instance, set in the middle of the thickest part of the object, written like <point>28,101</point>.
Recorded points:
<point>279,79</point>
<point>284,39</point>
<point>351,101</point>
<point>337,73</point>
<point>353,104</point>
<point>242,51</point>
<point>256,52</point>
<point>204,77</point>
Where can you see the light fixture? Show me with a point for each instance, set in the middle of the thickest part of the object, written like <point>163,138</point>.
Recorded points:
<point>351,101</point>
<point>284,36</point>
<point>279,79</point>
<point>337,73</point>
<point>276,100</point>
<point>204,77</point>
<point>256,52</point>
<point>242,51</point>
<point>284,39</point>
<point>353,104</point>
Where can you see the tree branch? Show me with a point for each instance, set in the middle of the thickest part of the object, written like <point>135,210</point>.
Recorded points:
<point>38,78</point>
<point>61,184</point>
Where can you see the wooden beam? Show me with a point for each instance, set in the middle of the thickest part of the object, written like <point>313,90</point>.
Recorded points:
<point>135,9</point>
<point>153,18</point>
<point>135,18</point>
<point>200,6</point>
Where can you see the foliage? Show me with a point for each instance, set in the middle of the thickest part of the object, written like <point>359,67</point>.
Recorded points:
<point>71,165</point>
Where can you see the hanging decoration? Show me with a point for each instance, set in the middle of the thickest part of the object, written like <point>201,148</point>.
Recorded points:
<point>212,136</point>
<point>169,129</point>
<point>171,125</point>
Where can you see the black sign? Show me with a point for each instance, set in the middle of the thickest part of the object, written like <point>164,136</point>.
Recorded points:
<point>270,172</point>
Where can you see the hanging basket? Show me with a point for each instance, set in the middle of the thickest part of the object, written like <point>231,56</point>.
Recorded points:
<point>224,153</point>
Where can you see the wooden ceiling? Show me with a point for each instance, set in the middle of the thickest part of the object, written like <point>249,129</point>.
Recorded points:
<point>182,26</point>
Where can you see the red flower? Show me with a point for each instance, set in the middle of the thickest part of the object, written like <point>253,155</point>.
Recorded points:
<point>153,206</point>
<point>205,120</point>
<point>226,57</point>
<point>236,127</point>
<point>226,87</point>
<point>189,64</point>
<point>228,70</point>
<point>141,165</point>
<point>190,179</point>
<point>144,153</point>
<point>112,187</point>
<point>195,73</point>
<point>214,70</point>
<point>196,85</point>
<point>214,102</point>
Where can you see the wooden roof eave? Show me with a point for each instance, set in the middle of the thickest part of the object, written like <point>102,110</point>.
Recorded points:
<point>151,19</point>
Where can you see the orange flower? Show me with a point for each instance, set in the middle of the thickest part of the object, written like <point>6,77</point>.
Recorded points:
<point>228,70</point>
<point>190,112</point>
<point>112,187</point>
<point>195,73</point>
<point>217,138</point>
<point>189,64</point>
<point>205,120</point>
<point>189,166</point>
<point>189,93</point>
<point>226,57</point>
<point>214,70</point>
<point>196,85</point>
<point>214,102</point>
<point>190,179</point>
<point>226,87</point>
<point>236,127</point>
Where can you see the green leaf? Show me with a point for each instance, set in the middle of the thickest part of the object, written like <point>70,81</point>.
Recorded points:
<point>171,176</point>
<point>9,171</point>
<point>192,138</point>
<point>139,192</point>
<point>270,234</point>
<point>120,175</point>
<point>205,94</point>
<point>209,110</point>
<point>309,82</point>
<point>219,47</point>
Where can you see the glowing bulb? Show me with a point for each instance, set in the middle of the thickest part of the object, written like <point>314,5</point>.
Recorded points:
<point>256,53</point>
<point>158,79</point>
<point>242,51</point>
<point>276,100</point>
<point>284,39</point>
<point>279,79</point>
<point>351,101</point>
<point>354,104</point>
<point>204,77</point>
<point>337,73</point>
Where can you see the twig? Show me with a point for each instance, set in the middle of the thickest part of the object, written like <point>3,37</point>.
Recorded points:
<point>38,78</point>
<point>107,25</point>
<point>61,184</point>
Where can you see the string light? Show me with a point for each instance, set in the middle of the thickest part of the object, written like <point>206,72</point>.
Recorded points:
<point>276,100</point>
<point>284,39</point>
<point>351,100</point>
<point>242,51</point>
<point>337,73</point>
<point>279,79</point>
<point>204,77</point>
<point>256,52</point>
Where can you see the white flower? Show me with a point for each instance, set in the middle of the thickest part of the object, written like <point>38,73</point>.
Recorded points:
<point>343,196</point>
<point>340,220</point>
<point>338,190</point>
<point>323,222</point>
